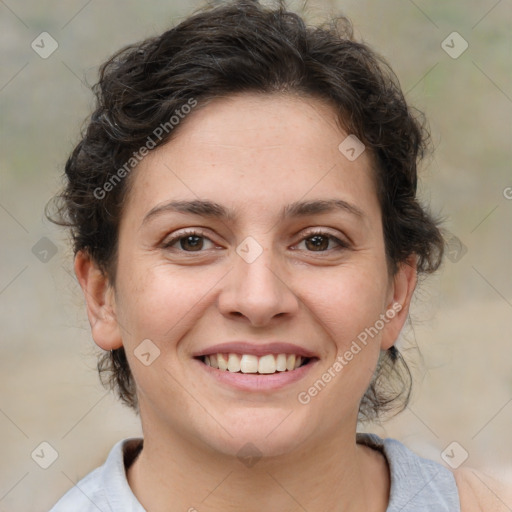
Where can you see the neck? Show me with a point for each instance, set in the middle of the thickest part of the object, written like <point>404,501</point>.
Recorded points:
<point>335,475</point>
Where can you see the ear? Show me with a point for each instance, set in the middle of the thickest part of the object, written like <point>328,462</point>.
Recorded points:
<point>99,297</point>
<point>402,287</point>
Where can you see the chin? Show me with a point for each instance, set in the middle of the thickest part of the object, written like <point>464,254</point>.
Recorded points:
<point>260,433</point>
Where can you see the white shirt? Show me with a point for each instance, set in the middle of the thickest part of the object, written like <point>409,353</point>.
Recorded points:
<point>105,489</point>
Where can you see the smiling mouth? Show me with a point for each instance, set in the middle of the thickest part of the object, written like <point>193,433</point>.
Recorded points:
<point>249,363</point>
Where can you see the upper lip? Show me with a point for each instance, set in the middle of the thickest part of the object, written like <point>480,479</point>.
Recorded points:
<point>255,348</point>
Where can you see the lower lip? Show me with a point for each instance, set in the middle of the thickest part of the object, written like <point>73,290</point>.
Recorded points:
<point>257,381</point>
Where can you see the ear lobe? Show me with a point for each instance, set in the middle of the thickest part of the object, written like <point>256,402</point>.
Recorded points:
<point>99,297</point>
<point>403,286</point>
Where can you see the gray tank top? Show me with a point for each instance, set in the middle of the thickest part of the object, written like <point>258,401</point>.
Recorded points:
<point>417,484</point>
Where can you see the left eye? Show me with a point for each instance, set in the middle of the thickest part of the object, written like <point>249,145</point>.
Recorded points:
<point>319,241</point>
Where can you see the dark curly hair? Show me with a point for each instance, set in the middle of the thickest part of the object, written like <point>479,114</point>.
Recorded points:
<point>235,47</point>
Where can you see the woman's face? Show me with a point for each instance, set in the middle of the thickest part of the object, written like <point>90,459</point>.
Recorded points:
<point>271,277</point>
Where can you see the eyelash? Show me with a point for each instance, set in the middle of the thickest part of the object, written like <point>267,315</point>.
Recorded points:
<point>310,234</point>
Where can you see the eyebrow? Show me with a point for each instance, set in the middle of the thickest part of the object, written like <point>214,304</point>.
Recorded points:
<point>215,210</point>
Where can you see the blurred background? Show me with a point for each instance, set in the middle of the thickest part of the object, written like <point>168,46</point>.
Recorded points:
<point>453,60</point>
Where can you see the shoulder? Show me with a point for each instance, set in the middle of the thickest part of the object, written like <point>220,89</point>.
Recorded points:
<point>481,493</point>
<point>87,495</point>
<point>416,483</point>
<point>106,488</point>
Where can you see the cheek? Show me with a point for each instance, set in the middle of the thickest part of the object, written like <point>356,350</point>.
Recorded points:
<point>164,303</point>
<point>347,310</point>
<point>159,304</point>
<point>346,301</point>
<point>348,307</point>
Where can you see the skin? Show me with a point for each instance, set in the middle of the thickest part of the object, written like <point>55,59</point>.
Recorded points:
<point>481,493</point>
<point>254,154</point>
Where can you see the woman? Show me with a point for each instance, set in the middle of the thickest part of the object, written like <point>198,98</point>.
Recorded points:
<point>248,239</point>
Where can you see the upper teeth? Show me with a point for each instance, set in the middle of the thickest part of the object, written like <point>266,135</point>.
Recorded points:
<point>248,363</point>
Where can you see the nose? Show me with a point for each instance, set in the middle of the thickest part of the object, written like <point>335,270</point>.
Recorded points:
<point>258,291</point>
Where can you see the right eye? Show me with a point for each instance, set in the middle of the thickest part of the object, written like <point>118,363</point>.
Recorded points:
<point>189,241</point>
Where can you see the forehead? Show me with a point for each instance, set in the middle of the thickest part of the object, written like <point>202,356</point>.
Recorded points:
<point>254,149</point>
